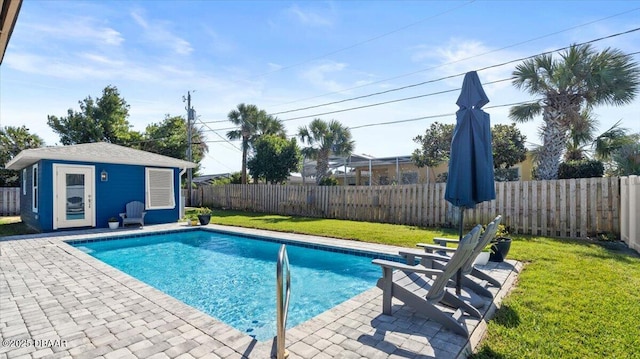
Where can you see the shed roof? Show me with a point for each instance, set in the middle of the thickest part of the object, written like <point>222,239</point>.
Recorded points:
<point>96,152</point>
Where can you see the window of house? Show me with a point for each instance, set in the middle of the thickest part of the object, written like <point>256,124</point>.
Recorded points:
<point>159,188</point>
<point>34,188</point>
<point>410,178</point>
<point>506,174</point>
<point>24,181</point>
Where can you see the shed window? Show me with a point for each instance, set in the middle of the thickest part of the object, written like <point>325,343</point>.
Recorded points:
<point>159,185</point>
<point>34,189</point>
<point>24,181</point>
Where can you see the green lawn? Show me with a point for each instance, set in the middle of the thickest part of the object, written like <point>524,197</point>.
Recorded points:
<point>10,226</point>
<point>574,299</point>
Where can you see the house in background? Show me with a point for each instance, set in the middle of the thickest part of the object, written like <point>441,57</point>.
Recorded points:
<point>84,185</point>
<point>359,170</point>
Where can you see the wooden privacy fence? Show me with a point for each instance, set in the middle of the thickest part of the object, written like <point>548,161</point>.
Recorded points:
<point>571,208</point>
<point>9,201</point>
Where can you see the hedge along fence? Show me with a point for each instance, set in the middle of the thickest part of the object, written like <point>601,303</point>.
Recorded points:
<point>572,208</point>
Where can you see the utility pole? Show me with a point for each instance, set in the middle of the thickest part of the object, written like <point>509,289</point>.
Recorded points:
<point>189,138</point>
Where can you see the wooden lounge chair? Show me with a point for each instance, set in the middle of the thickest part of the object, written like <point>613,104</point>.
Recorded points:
<point>422,288</point>
<point>468,269</point>
<point>134,213</point>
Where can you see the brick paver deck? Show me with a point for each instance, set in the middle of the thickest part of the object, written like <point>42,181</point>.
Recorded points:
<point>58,302</point>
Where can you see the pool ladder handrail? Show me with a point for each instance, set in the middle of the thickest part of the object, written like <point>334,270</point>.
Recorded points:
<point>283,288</point>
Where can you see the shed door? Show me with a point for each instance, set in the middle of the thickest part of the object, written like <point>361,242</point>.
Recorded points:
<point>74,192</point>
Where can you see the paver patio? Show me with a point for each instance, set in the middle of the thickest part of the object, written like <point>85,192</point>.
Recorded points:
<point>59,302</point>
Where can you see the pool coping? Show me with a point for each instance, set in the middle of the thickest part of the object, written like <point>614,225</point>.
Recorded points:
<point>354,328</point>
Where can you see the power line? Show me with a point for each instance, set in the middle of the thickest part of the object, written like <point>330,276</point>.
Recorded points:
<point>217,134</point>
<point>434,116</point>
<point>441,78</point>
<point>364,41</point>
<point>408,86</point>
<point>464,59</point>
<point>431,81</point>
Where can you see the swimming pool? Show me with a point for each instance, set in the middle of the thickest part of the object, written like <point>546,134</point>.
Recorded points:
<point>232,278</point>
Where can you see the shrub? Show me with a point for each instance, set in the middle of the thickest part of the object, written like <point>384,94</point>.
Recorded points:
<point>328,181</point>
<point>580,169</point>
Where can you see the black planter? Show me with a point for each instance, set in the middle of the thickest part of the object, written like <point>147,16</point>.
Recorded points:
<point>499,249</point>
<point>204,219</point>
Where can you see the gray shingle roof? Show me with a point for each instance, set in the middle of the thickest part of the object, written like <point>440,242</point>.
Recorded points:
<point>101,152</point>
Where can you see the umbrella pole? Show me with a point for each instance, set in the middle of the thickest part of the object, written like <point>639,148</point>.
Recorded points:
<point>459,273</point>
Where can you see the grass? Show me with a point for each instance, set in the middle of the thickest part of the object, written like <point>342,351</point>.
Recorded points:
<point>398,235</point>
<point>574,299</point>
<point>10,226</point>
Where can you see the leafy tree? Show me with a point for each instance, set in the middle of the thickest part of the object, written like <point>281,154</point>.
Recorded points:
<point>508,148</point>
<point>581,79</point>
<point>274,159</point>
<point>323,139</point>
<point>508,145</point>
<point>170,138</point>
<point>435,145</point>
<point>104,119</point>
<point>253,123</point>
<point>12,141</point>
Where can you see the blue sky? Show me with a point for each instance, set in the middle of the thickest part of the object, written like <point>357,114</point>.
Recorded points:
<point>282,56</point>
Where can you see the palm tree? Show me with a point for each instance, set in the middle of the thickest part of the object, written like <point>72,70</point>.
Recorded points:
<point>581,79</point>
<point>323,139</point>
<point>581,136</point>
<point>268,125</point>
<point>626,159</point>
<point>245,116</point>
<point>253,123</point>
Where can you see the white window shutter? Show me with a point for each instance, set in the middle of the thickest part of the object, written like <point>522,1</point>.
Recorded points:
<point>160,191</point>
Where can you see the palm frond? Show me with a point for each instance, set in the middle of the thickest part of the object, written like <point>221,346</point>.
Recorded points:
<point>525,112</point>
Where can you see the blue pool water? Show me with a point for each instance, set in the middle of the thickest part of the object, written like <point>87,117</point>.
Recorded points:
<point>233,278</point>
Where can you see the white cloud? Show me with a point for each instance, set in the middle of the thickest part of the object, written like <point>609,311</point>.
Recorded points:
<point>78,29</point>
<point>158,33</point>
<point>274,67</point>
<point>101,59</point>
<point>309,17</point>
<point>319,75</point>
<point>218,43</point>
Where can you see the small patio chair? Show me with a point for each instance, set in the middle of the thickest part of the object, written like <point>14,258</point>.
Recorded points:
<point>468,268</point>
<point>134,213</point>
<point>422,288</point>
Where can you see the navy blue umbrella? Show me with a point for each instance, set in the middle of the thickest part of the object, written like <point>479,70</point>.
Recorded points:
<point>470,179</point>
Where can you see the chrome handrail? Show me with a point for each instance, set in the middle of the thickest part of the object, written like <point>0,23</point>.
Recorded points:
<point>283,288</point>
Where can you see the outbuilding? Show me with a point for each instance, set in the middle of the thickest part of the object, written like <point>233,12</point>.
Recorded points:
<point>84,185</point>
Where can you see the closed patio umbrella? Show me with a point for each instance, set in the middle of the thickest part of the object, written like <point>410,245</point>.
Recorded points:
<point>470,179</point>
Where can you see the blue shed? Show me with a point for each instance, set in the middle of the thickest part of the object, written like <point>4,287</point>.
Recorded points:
<point>84,185</point>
